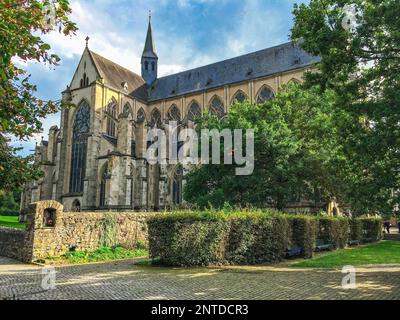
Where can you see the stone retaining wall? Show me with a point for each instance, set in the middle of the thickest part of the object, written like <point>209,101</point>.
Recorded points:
<point>83,231</point>
<point>15,244</point>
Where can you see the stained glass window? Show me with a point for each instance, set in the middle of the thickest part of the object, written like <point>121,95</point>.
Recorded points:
<point>155,121</point>
<point>265,95</point>
<point>111,116</point>
<point>194,112</point>
<point>141,116</point>
<point>240,96</point>
<point>79,148</point>
<point>174,114</point>
<point>217,108</point>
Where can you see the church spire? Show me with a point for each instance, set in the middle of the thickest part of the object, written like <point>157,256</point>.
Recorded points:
<point>149,47</point>
<point>149,57</point>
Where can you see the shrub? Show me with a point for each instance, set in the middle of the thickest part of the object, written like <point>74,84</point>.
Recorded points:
<point>187,240</point>
<point>356,230</point>
<point>303,233</point>
<point>372,228</point>
<point>212,238</point>
<point>334,231</point>
<point>256,238</point>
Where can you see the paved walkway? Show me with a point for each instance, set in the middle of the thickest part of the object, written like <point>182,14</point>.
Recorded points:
<point>123,280</point>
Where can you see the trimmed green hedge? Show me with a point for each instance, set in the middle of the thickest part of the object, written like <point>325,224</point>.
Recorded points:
<point>356,230</point>
<point>372,229</point>
<point>334,231</point>
<point>202,239</point>
<point>303,233</point>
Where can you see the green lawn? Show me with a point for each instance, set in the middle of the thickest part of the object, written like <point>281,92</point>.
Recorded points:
<point>385,252</point>
<point>11,222</point>
<point>100,255</point>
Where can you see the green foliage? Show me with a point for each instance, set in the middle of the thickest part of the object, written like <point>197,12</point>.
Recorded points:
<point>361,67</point>
<point>108,235</point>
<point>212,238</point>
<point>102,254</point>
<point>372,228</point>
<point>303,233</point>
<point>295,149</point>
<point>356,230</point>
<point>21,112</point>
<point>334,231</point>
<point>9,203</point>
<point>256,238</point>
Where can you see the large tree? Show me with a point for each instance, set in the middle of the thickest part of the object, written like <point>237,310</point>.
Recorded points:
<point>22,23</point>
<point>359,43</point>
<point>295,153</point>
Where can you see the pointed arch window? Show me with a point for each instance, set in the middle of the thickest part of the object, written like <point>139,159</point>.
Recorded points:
<point>146,65</point>
<point>155,120</point>
<point>217,108</point>
<point>141,116</point>
<point>79,148</point>
<point>127,109</point>
<point>153,66</point>
<point>194,112</point>
<point>265,94</point>
<point>240,97</point>
<point>174,114</point>
<point>111,113</point>
<point>177,186</point>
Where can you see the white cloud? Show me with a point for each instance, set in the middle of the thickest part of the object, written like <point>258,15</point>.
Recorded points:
<point>256,28</point>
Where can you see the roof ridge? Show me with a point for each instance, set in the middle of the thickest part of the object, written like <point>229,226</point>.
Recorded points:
<point>225,60</point>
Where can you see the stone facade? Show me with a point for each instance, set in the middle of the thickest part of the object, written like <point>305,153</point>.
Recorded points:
<point>96,159</point>
<point>69,231</point>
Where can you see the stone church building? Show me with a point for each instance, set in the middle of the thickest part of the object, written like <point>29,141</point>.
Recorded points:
<point>95,160</point>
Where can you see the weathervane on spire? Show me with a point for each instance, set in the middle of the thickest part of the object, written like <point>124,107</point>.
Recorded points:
<point>149,15</point>
<point>87,41</point>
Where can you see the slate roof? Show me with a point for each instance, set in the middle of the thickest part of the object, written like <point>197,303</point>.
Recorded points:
<point>262,63</point>
<point>115,75</point>
<point>255,65</point>
<point>149,47</point>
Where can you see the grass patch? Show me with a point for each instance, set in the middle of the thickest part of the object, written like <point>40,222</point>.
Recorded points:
<point>385,252</point>
<point>100,255</point>
<point>11,222</point>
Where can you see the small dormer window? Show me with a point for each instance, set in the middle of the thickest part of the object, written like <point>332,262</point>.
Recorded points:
<point>124,85</point>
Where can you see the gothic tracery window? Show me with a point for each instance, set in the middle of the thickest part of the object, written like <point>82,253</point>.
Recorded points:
<point>265,95</point>
<point>194,112</point>
<point>127,109</point>
<point>111,113</point>
<point>79,147</point>
<point>141,116</point>
<point>155,120</point>
<point>240,97</point>
<point>174,114</point>
<point>217,108</point>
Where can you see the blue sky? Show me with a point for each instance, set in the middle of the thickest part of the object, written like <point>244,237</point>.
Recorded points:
<point>188,34</point>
